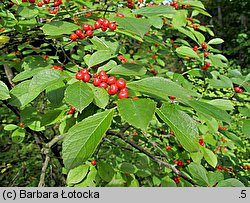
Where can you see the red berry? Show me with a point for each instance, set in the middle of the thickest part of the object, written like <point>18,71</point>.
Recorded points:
<point>85,27</point>
<point>111,80</point>
<point>120,15</point>
<point>89,33</point>
<point>208,64</point>
<point>124,89</point>
<point>46,1</point>
<point>206,54</point>
<point>104,29</point>
<point>97,25</point>
<point>86,77</point>
<point>168,147</point>
<point>32,1</point>
<point>104,78</point>
<point>93,162</point>
<point>60,68</point>
<point>244,167</point>
<point>205,68</point>
<point>78,32</point>
<point>81,36</point>
<point>72,108</point>
<point>176,162</point>
<point>238,89</point>
<point>248,167</point>
<point>70,111</point>
<point>201,142</point>
<point>135,133</point>
<point>96,81</point>
<point>106,23</point>
<point>195,48</point>
<point>172,97</point>
<point>123,95</point>
<point>100,20</point>
<point>103,85</point>
<point>112,26</point>
<point>95,75</point>
<point>91,27</point>
<point>79,76</point>
<point>39,4</point>
<point>113,89</point>
<point>204,45</point>
<point>21,124</point>
<point>45,57</point>
<point>120,83</point>
<point>102,72</point>
<point>84,71</point>
<point>73,37</point>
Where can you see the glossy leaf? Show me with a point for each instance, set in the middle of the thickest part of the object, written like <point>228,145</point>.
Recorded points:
<point>4,91</point>
<point>101,97</point>
<point>209,109</point>
<point>137,112</point>
<point>79,95</point>
<point>183,126</point>
<point>99,57</point>
<point>246,127</point>
<point>77,174</point>
<point>161,88</point>
<point>231,182</point>
<point>105,171</point>
<point>187,51</point>
<point>210,157</point>
<point>216,41</point>
<point>83,138</point>
<point>198,172</point>
<point>18,135</point>
<point>155,10</point>
<point>128,69</point>
<point>59,28</point>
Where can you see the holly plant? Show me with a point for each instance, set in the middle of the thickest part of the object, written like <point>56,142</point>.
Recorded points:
<point>120,93</point>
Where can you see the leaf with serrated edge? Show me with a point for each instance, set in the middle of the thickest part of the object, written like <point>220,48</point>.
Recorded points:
<point>83,138</point>
<point>183,126</point>
<point>79,95</point>
<point>137,112</point>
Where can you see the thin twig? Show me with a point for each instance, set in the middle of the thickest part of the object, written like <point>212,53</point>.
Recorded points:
<point>9,74</point>
<point>160,162</point>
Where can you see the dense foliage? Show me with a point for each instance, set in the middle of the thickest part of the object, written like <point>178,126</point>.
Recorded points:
<point>121,93</point>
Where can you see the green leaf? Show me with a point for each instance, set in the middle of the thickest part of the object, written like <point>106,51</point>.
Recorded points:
<point>77,174</point>
<point>214,177</point>
<point>128,69</point>
<point>156,21</point>
<point>159,87</point>
<point>59,28</point>
<point>18,2</point>
<point>100,57</point>
<point>83,138</point>
<point>20,95</point>
<point>222,104</point>
<point>100,44</point>
<point>183,126</point>
<point>105,171</point>
<point>128,168</point>
<point>193,3</point>
<point>79,95</point>
<point>10,127</point>
<point>90,180</point>
<point>137,112</point>
<point>18,135</point>
<point>4,91</point>
<point>210,157</point>
<point>187,51</point>
<point>101,97</point>
<point>138,26</point>
<point>200,37</point>
<point>216,41</point>
<point>28,12</point>
<point>199,173</point>
<point>246,127</point>
<point>187,33</point>
<point>179,19</point>
<point>244,111</point>
<point>206,108</point>
<point>55,93</point>
<point>51,117</point>
<point>197,156</point>
<point>155,10</point>
<point>236,139</point>
<point>231,182</point>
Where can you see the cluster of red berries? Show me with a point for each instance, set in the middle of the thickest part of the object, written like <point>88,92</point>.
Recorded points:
<point>130,4</point>
<point>60,68</point>
<point>177,179</point>
<point>206,66</point>
<point>222,128</point>
<point>246,167</point>
<point>238,89</point>
<point>56,4</point>
<point>176,5</point>
<point>88,29</point>
<point>103,80</point>
<point>122,59</point>
<point>179,163</point>
<point>204,46</point>
<point>71,110</point>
